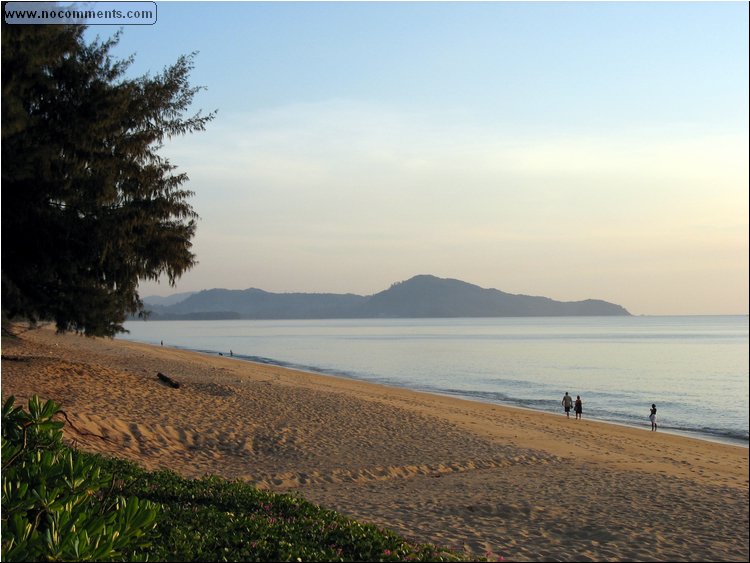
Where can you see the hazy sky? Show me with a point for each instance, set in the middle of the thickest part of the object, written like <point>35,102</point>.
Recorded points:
<point>571,150</point>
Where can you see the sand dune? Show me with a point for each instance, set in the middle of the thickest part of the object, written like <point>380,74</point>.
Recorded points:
<point>527,486</point>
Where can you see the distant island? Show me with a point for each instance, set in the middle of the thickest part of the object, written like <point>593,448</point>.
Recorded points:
<point>422,296</point>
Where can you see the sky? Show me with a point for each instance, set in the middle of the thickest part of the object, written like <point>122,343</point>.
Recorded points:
<point>569,150</point>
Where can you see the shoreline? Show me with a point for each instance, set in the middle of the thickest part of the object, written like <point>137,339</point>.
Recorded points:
<point>703,436</point>
<point>526,485</point>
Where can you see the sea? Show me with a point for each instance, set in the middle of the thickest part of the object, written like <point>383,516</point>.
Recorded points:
<point>693,368</point>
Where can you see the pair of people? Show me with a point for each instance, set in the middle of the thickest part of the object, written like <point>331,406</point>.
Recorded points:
<point>577,406</point>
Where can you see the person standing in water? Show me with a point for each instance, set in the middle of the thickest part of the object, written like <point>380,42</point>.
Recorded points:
<point>567,402</point>
<point>578,407</point>
<point>652,418</point>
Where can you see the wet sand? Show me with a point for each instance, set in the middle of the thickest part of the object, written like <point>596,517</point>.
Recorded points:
<point>523,485</point>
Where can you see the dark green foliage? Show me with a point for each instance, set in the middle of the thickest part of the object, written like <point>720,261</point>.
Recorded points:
<point>60,504</point>
<point>89,206</point>
<point>55,504</point>
<point>212,519</point>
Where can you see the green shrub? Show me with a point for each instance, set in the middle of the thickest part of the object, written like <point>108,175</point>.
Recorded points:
<point>59,504</point>
<point>214,519</point>
<point>54,501</point>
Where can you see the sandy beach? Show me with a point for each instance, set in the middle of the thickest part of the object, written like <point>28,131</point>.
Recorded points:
<point>526,486</point>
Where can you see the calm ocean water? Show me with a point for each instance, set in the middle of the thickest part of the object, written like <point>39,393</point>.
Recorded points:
<point>695,369</point>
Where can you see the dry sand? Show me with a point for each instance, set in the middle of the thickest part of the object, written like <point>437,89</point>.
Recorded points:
<point>527,486</point>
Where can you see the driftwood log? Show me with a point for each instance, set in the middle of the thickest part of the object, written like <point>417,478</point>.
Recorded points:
<point>168,380</point>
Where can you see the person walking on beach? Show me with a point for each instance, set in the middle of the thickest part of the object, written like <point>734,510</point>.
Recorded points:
<point>578,407</point>
<point>652,418</point>
<point>567,402</point>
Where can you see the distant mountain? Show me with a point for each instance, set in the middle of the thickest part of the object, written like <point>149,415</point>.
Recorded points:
<point>420,296</point>
<point>428,296</point>
<point>168,300</point>
<point>258,304</point>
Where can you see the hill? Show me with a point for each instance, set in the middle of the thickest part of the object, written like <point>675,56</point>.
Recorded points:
<point>419,297</point>
<point>168,300</point>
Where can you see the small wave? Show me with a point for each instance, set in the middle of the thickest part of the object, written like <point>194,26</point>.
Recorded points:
<point>501,376</point>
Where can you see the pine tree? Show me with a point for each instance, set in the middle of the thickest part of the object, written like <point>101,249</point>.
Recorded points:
<point>89,207</point>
